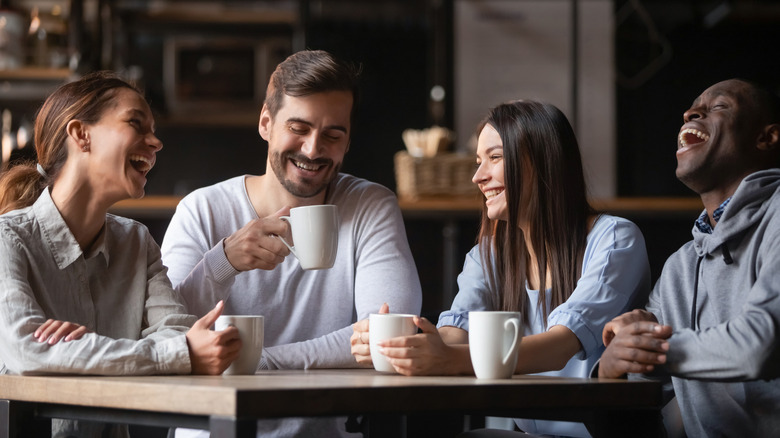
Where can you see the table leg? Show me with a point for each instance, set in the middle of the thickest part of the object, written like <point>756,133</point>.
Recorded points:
<point>17,420</point>
<point>388,425</point>
<point>450,234</point>
<point>231,427</point>
<point>623,423</point>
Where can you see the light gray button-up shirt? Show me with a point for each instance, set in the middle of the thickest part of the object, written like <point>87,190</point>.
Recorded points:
<point>119,290</point>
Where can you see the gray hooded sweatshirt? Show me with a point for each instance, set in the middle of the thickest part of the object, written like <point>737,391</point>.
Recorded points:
<point>721,295</point>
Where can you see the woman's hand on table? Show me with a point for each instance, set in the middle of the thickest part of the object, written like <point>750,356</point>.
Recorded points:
<point>212,352</point>
<point>359,340</point>
<point>55,330</point>
<point>426,353</point>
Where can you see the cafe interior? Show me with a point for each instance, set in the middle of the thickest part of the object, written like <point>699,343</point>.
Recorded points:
<point>623,71</point>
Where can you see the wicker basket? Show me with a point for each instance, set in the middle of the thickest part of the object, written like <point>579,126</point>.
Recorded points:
<point>443,174</point>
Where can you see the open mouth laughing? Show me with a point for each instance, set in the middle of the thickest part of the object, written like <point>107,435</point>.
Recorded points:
<point>141,163</point>
<point>492,193</point>
<point>690,136</point>
<point>312,167</point>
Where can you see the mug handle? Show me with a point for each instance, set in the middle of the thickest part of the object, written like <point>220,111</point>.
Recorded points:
<point>290,247</point>
<point>513,348</point>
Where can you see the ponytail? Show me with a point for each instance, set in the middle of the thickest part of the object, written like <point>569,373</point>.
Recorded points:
<point>20,186</point>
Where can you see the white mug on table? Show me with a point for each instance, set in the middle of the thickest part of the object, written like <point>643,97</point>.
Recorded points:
<point>251,331</point>
<point>382,326</point>
<point>494,338</point>
<point>315,231</point>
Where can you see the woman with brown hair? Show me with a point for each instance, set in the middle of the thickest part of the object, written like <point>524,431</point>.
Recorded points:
<point>94,276</point>
<point>541,252</point>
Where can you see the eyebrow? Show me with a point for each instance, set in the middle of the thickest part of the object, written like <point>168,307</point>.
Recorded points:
<point>308,123</point>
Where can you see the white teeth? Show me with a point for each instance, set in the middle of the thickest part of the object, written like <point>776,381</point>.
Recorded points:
<point>138,159</point>
<point>493,193</point>
<point>696,132</point>
<point>306,166</point>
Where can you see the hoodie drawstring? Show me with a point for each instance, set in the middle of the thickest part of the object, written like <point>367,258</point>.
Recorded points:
<point>726,254</point>
<point>695,293</point>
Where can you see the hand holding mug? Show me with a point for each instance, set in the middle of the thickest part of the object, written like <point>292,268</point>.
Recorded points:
<point>359,341</point>
<point>384,326</point>
<point>251,331</point>
<point>211,352</point>
<point>255,245</point>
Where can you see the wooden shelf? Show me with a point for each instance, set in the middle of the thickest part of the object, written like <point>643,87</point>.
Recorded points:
<point>164,206</point>
<point>36,74</point>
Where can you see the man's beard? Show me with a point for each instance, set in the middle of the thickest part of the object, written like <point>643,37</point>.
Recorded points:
<point>307,188</point>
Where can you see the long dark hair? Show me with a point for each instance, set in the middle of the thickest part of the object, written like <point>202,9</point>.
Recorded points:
<point>85,99</point>
<point>540,149</point>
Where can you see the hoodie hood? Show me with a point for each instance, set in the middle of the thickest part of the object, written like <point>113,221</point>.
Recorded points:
<point>746,208</point>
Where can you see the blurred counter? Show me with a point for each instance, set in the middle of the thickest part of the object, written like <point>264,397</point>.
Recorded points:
<point>162,207</point>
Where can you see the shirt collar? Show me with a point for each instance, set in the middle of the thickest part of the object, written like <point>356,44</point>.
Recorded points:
<point>703,222</point>
<point>63,245</point>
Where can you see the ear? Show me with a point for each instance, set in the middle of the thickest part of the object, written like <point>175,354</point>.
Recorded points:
<point>264,126</point>
<point>78,134</point>
<point>769,138</point>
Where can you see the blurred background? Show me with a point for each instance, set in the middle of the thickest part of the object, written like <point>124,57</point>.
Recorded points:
<point>623,71</point>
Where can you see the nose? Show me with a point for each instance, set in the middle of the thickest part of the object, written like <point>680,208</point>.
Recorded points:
<point>480,175</point>
<point>154,142</point>
<point>311,145</point>
<point>693,113</point>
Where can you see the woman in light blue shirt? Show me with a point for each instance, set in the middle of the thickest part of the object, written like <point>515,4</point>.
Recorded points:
<point>542,251</point>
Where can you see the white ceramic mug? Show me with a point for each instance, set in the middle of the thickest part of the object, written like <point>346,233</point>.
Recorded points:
<point>494,338</point>
<point>250,330</point>
<point>383,326</point>
<point>315,231</point>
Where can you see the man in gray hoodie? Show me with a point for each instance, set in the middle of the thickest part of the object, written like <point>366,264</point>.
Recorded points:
<point>713,320</point>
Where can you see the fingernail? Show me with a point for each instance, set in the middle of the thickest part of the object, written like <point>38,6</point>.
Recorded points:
<point>661,358</point>
<point>52,341</point>
<point>665,346</point>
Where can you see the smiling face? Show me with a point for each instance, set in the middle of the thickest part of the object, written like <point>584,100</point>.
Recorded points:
<point>122,146</point>
<point>716,144</point>
<point>307,140</point>
<point>490,172</point>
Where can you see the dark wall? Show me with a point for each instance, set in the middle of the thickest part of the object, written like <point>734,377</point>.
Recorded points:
<point>702,50</point>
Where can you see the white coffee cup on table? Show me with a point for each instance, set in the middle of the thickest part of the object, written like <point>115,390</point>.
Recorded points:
<point>315,233</point>
<point>251,331</point>
<point>494,338</point>
<point>383,326</point>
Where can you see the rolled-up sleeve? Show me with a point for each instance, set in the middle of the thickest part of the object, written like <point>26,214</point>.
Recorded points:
<point>615,278</point>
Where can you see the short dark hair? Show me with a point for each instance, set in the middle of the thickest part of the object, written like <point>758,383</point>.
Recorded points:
<point>308,72</point>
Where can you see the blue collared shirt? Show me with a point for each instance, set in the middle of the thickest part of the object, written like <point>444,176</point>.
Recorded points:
<point>703,223</point>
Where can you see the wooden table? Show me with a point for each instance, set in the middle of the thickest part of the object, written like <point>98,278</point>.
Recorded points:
<point>230,405</point>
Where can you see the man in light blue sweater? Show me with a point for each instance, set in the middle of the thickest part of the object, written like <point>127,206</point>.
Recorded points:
<point>221,243</point>
<point>713,319</point>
